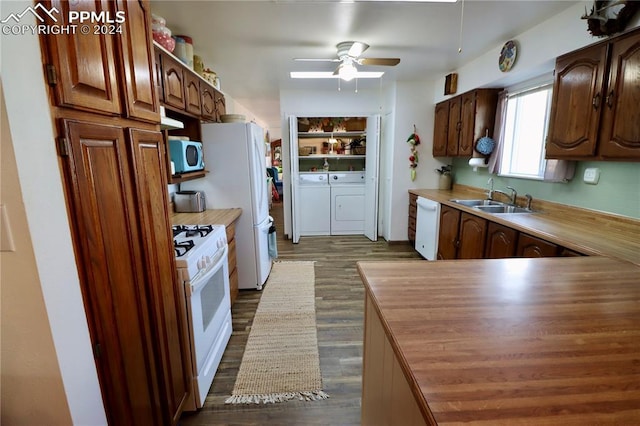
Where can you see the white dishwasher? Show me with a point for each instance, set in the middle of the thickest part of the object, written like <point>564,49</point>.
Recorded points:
<point>314,204</point>
<point>427,228</point>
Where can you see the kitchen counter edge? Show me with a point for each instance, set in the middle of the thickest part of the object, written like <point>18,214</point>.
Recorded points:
<point>224,217</point>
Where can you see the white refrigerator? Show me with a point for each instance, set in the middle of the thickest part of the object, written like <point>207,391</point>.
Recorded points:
<point>234,155</point>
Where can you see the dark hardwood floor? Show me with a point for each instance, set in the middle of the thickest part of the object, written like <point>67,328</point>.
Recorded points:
<point>339,311</point>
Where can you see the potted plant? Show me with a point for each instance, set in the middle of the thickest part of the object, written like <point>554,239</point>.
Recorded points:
<point>445,177</point>
<point>330,123</point>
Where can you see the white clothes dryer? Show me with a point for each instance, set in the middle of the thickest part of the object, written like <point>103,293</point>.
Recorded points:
<point>347,202</point>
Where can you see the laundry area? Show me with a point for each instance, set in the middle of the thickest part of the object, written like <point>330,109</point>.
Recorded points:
<point>334,175</point>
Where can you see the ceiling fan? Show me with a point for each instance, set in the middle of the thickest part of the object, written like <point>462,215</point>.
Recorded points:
<point>349,55</point>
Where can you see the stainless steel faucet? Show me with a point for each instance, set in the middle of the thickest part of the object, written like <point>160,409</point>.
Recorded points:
<point>529,200</point>
<point>490,191</point>
<point>513,196</point>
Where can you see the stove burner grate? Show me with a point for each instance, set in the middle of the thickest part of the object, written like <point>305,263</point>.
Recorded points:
<point>202,231</point>
<point>181,248</point>
<point>192,230</point>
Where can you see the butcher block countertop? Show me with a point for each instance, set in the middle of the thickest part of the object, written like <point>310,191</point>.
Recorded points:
<point>586,231</point>
<point>208,217</point>
<point>514,341</point>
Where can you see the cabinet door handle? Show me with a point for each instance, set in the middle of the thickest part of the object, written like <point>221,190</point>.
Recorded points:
<point>596,101</point>
<point>609,99</point>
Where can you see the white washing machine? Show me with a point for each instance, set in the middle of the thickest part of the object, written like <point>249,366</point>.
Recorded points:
<point>315,204</point>
<point>347,202</point>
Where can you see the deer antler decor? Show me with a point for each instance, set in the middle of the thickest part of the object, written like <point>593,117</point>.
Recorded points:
<point>606,17</point>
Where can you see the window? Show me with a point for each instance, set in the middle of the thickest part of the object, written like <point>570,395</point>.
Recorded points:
<point>525,130</point>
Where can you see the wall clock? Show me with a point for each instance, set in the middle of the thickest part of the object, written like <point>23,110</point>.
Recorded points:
<point>508,56</point>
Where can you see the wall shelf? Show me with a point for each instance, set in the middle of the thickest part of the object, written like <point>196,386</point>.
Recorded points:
<point>325,135</point>
<point>183,177</point>
<point>338,156</point>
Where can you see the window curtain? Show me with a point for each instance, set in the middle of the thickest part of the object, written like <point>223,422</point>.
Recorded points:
<point>498,133</point>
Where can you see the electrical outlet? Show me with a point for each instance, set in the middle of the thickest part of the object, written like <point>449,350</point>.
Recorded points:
<point>591,175</point>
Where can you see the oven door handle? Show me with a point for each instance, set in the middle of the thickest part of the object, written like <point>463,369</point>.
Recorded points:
<point>201,278</point>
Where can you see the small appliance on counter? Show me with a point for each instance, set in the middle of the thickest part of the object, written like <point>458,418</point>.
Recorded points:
<point>189,202</point>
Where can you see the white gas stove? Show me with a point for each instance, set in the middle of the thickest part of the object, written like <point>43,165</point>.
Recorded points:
<point>203,270</point>
<point>196,245</point>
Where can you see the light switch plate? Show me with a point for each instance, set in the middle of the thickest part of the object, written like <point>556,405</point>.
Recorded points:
<point>591,175</point>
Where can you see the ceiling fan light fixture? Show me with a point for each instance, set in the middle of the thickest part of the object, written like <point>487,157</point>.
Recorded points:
<point>331,74</point>
<point>347,71</point>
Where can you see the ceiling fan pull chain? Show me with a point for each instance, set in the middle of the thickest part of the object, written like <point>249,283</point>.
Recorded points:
<point>461,25</point>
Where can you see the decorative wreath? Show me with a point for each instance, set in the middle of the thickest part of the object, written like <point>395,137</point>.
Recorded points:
<point>414,141</point>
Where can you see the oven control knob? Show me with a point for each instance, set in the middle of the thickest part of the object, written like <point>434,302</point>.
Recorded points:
<point>201,264</point>
<point>207,261</point>
<point>220,243</point>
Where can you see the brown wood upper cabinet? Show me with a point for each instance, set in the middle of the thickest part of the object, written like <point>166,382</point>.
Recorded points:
<point>173,83</point>
<point>462,120</point>
<point>193,99</point>
<point>141,100</point>
<point>594,112</point>
<point>620,126</point>
<point>208,102</point>
<point>83,71</point>
<point>102,73</point>
<point>186,92</point>
<point>221,106</point>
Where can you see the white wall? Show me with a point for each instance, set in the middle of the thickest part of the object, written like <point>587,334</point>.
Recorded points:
<point>41,185</point>
<point>413,106</point>
<point>538,48</point>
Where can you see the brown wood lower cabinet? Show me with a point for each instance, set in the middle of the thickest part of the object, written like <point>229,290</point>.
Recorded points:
<point>387,396</point>
<point>529,246</point>
<point>501,241</point>
<point>448,236</point>
<point>462,235</point>
<point>233,270</point>
<point>473,230</point>
<point>116,188</point>
<point>413,216</point>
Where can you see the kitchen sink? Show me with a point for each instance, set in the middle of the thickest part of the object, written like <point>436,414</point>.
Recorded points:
<point>476,203</point>
<point>502,208</point>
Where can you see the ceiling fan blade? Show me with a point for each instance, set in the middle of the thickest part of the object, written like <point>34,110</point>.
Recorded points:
<point>379,61</point>
<point>315,60</point>
<point>357,48</point>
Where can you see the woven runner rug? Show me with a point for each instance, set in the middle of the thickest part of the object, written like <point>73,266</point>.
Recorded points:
<point>281,361</point>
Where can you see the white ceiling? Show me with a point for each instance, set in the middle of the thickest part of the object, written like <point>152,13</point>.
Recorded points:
<point>251,44</point>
